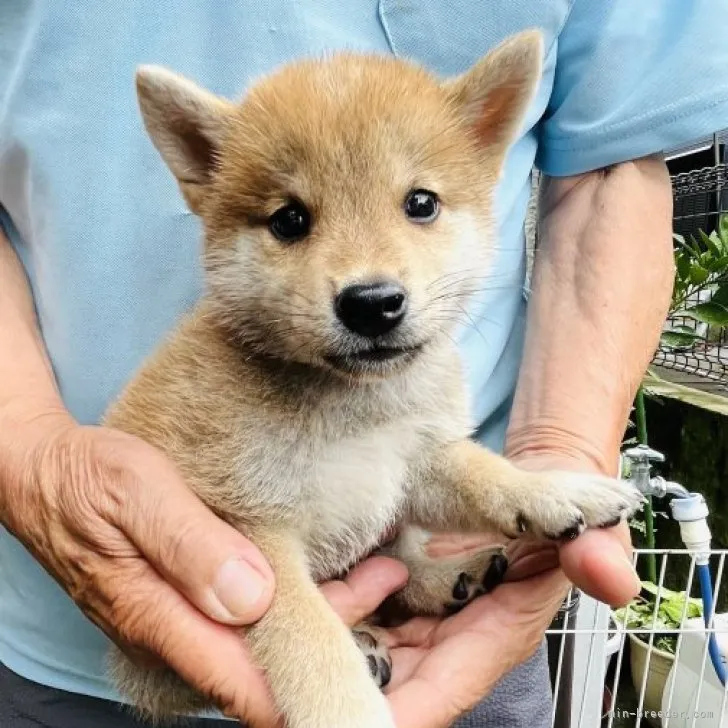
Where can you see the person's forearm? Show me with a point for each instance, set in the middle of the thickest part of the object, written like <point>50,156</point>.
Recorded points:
<point>602,282</point>
<point>26,377</point>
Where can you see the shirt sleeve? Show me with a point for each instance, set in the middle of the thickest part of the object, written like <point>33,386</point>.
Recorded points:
<point>632,79</point>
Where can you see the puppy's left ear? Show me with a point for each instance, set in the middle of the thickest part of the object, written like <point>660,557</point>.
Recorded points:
<point>494,95</point>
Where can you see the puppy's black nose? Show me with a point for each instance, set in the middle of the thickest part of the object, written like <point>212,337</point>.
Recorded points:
<point>371,309</point>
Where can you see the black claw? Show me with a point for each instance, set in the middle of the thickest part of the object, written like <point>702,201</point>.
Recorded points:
<point>521,523</point>
<point>453,608</point>
<point>495,572</point>
<point>385,672</point>
<point>366,637</point>
<point>460,590</point>
<point>372,665</point>
<point>612,523</point>
<point>571,533</point>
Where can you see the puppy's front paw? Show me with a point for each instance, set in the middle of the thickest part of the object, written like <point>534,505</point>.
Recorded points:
<point>561,504</point>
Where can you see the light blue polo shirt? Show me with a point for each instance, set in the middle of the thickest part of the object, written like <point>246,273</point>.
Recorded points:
<point>111,251</point>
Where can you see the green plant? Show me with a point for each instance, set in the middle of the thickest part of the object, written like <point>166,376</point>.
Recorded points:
<point>700,266</point>
<point>658,610</point>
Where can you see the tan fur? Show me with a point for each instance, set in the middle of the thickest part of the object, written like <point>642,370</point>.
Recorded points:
<point>311,461</point>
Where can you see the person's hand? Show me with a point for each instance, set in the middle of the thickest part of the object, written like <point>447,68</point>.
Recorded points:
<point>443,668</point>
<point>111,520</point>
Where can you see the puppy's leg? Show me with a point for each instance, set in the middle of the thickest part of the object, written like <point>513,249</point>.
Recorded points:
<point>439,586</point>
<point>159,695</point>
<point>468,488</point>
<point>318,675</point>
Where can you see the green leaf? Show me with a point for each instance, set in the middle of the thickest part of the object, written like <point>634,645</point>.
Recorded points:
<point>682,263</point>
<point>712,243</point>
<point>715,238</point>
<point>651,587</point>
<point>698,274</point>
<point>668,643</point>
<point>720,296</point>
<point>718,266</point>
<point>723,229</point>
<point>680,240</point>
<point>672,610</point>
<point>678,340</point>
<point>711,313</point>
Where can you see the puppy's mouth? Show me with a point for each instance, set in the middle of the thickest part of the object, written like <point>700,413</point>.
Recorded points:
<point>373,358</point>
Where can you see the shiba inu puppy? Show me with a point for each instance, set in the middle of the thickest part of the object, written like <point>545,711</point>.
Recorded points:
<point>314,397</point>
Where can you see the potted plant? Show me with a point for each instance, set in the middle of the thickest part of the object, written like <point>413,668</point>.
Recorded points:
<point>660,613</point>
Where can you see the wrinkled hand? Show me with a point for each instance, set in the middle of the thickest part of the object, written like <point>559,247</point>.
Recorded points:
<point>442,669</point>
<point>111,520</point>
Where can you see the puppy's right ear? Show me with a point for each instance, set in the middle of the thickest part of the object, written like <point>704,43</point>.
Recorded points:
<point>187,126</point>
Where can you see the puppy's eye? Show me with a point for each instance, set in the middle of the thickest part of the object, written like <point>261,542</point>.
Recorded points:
<point>421,206</point>
<point>290,223</point>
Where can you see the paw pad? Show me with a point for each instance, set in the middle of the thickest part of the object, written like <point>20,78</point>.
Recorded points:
<point>467,588</point>
<point>376,654</point>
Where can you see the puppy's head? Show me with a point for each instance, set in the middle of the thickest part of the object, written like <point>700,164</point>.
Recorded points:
<point>346,202</point>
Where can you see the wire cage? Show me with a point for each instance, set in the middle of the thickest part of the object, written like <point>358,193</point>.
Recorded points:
<point>608,674</point>
<point>700,200</point>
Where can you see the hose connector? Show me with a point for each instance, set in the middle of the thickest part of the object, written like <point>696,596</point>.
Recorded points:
<point>691,512</point>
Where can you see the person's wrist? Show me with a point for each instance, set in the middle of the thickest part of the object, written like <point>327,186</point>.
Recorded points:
<point>549,447</point>
<point>32,412</point>
<point>26,427</point>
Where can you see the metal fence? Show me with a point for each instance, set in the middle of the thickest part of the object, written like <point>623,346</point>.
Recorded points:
<point>608,675</point>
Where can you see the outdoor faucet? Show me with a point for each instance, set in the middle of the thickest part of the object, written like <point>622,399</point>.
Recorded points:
<point>641,458</point>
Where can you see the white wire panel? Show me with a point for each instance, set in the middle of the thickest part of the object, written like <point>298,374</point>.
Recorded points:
<point>614,676</point>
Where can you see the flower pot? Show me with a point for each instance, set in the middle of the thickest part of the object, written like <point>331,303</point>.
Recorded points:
<point>660,663</point>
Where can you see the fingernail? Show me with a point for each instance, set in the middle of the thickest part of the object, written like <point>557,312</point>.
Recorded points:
<point>238,588</point>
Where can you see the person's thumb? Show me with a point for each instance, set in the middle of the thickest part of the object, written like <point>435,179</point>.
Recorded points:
<point>220,571</point>
<point>598,563</point>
